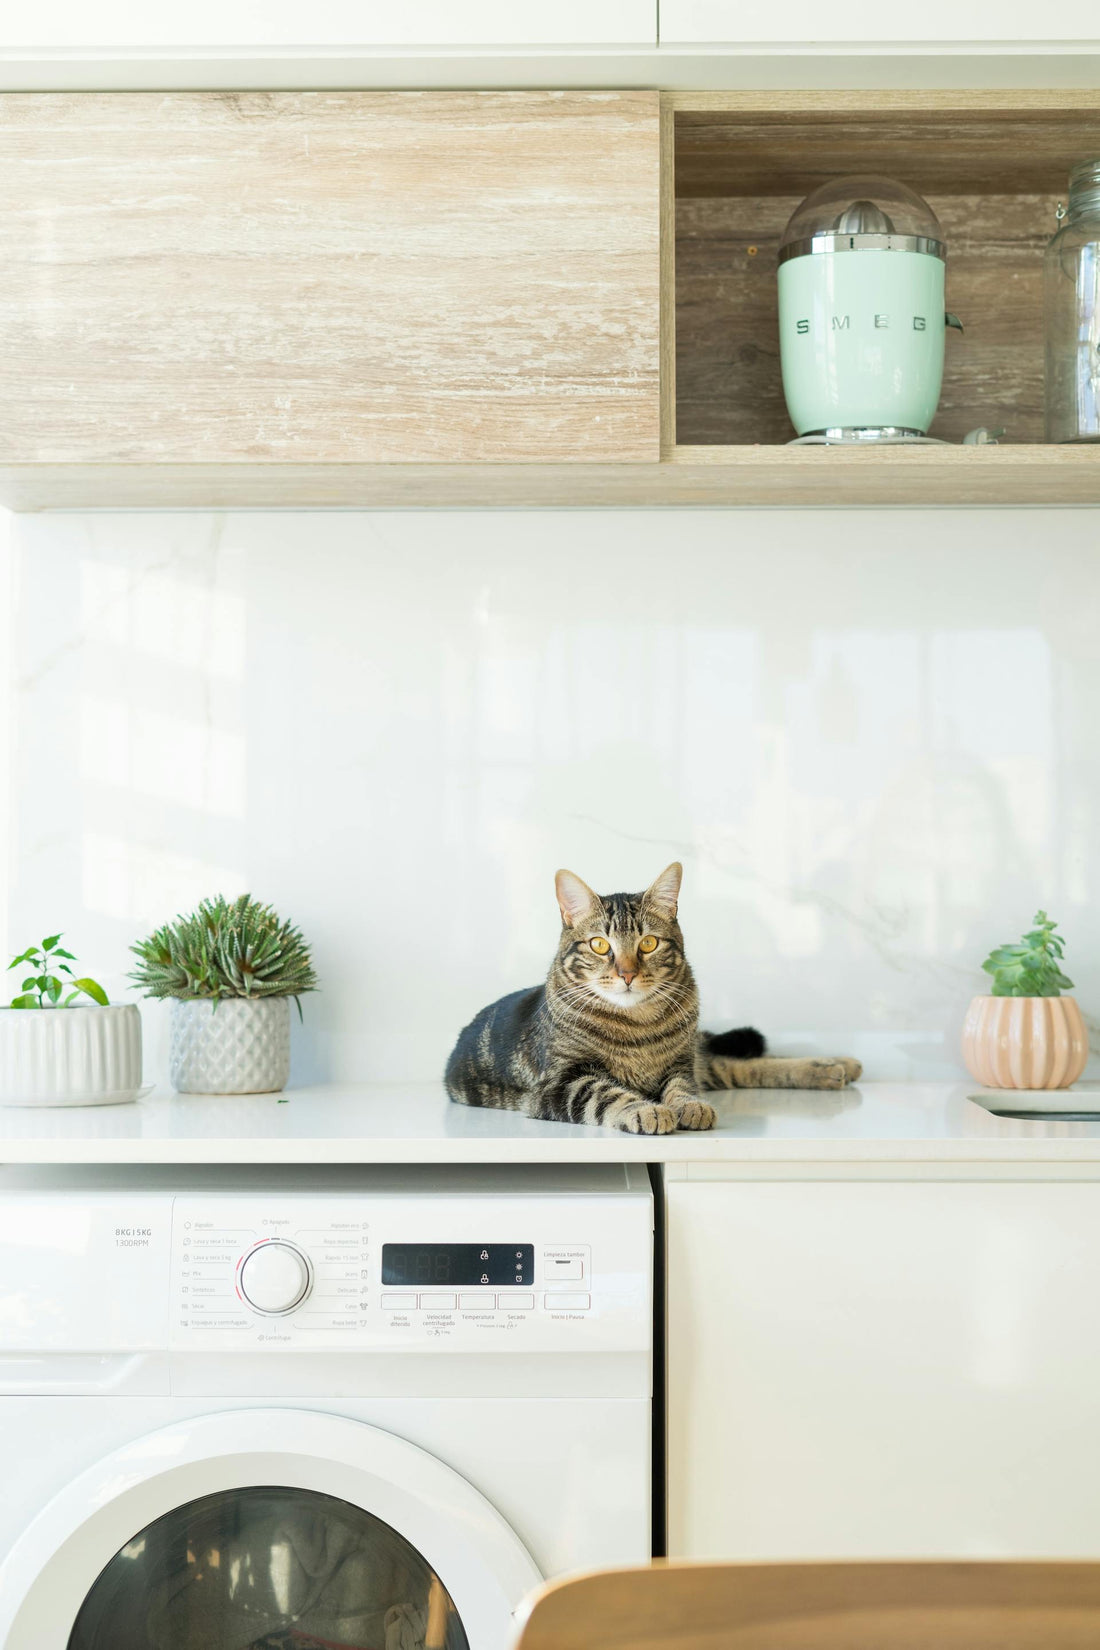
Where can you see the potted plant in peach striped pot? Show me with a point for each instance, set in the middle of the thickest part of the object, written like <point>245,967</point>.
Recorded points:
<point>1026,1034</point>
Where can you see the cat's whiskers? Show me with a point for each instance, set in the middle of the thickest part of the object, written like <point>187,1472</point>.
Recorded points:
<point>682,1001</point>
<point>671,992</point>
<point>573,1000</point>
<point>579,1005</point>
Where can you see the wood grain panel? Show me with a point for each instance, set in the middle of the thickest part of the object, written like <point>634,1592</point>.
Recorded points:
<point>789,477</point>
<point>329,277</point>
<point>668,278</point>
<point>915,1605</point>
<point>940,142</point>
<point>934,155</point>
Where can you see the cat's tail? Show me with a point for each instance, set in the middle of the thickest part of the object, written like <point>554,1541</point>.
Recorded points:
<point>716,1052</point>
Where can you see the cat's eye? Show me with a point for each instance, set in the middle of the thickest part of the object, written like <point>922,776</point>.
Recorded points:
<point>648,944</point>
<point>600,946</point>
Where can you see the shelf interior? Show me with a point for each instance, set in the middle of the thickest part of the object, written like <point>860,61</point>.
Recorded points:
<point>993,178</point>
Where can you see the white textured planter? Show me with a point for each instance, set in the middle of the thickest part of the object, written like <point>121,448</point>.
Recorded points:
<point>70,1056</point>
<point>240,1045</point>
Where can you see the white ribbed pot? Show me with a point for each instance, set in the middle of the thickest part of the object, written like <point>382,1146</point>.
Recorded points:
<point>239,1045</point>
<point>1025,1042</point>
<point>70,1056</point>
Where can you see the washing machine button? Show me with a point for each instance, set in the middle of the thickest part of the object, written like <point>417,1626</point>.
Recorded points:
<point>274,1278</point>
<point>561,1302</point>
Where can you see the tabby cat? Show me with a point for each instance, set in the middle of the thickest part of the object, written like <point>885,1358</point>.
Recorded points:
<point>612,1037</point>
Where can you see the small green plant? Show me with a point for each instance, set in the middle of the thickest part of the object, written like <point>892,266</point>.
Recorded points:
<point>1032,968</point>
<point>41,988</point>
<point>225,949</point>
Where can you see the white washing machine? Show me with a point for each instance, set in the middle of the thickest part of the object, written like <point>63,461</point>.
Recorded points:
<point>316,1409</point>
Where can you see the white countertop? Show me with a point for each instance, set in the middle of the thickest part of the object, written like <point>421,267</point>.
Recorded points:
<point>395,1123</point>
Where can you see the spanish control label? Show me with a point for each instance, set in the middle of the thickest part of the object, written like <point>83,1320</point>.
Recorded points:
<point>210,1244</point>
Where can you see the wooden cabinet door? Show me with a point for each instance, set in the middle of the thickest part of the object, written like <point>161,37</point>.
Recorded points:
<point>803,22</point>
<point>329,277</point>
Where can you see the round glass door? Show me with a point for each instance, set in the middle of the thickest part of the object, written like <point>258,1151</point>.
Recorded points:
<point>268,1569</point>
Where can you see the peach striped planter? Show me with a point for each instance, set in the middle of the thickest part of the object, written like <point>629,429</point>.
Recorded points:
<point>1025,1042</point>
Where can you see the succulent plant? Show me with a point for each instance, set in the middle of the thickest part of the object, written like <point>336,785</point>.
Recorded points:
<point>225,949</point>
<point>1031,968</point>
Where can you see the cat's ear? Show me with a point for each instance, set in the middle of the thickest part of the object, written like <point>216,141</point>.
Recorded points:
<point>662,895</point>
<point>575,898</point>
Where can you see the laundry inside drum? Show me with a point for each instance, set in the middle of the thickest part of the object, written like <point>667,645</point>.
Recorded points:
<point>268,1568</point>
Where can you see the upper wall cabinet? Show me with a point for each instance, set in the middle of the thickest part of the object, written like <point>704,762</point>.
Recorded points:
<point>256,25</point>
<point>948,22</point>
<point>329,278</point>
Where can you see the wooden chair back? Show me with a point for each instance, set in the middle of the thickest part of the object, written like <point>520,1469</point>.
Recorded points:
<point>836,1606</point>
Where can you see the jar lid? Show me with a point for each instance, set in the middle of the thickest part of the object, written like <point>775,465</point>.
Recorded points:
<point>1084,184</point>
<point>1086,172</point>
<point>862,213</point>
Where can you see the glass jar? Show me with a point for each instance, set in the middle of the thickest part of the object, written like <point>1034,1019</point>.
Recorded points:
<point>1071,295</point>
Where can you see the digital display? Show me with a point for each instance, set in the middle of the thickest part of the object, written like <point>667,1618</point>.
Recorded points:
<point>458,1265</point>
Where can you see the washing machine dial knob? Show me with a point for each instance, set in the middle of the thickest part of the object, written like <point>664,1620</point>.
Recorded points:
<point>275,1277</point>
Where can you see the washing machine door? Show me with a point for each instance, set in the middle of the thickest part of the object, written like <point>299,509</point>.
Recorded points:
<point>265,1530</point>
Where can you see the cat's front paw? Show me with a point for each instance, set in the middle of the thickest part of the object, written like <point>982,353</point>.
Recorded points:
<point>646,1117</point>
<point>695,1114</point>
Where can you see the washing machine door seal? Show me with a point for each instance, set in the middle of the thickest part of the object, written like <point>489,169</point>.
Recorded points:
<point>462,1539</point>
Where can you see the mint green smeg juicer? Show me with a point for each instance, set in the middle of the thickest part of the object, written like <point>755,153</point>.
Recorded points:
<point>861,316</point>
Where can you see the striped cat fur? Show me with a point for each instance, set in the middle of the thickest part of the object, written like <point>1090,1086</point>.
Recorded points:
<point>612,1036</point>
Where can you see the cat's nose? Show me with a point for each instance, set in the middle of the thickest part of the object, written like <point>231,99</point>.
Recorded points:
<point>628,974</point>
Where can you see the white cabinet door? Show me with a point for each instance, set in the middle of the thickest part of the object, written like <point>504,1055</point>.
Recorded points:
<point>954,22</point>
<point>135,25</point>
<point>883,1370</point>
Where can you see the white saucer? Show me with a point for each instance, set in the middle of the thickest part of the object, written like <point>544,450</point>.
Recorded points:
<point>1080,1101</point>
<point>108,1097</point>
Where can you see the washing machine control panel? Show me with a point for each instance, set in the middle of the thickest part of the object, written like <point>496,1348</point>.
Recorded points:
<point>439,1273</point>
<point>236,1266</point>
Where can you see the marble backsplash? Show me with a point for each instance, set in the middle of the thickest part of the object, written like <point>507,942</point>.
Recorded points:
<point>871,738</point>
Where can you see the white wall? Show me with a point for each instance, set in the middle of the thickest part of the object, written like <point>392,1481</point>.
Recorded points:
<point>341,25</point>
<point>871,737</point>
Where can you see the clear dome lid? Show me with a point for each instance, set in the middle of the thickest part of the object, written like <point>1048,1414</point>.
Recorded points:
<point>860,212</point>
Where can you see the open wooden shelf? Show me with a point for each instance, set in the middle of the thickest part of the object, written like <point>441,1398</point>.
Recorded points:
<point>992,166</point>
